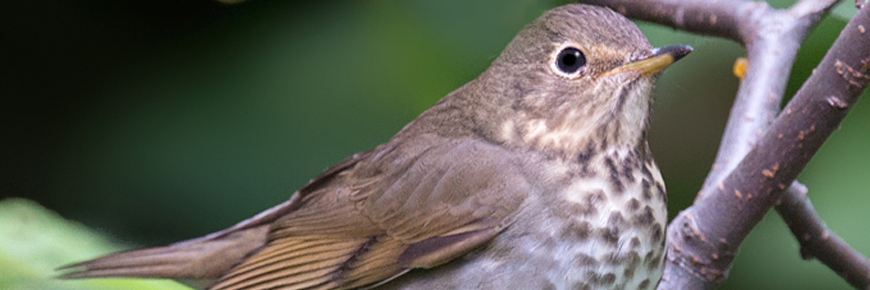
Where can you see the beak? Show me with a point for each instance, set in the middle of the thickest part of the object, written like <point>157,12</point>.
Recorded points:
<point>659,59</point>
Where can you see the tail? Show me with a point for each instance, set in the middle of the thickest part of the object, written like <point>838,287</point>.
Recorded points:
<point>197,259</point>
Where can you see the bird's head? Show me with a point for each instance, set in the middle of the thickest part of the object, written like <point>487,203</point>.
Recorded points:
<point>578,76</point>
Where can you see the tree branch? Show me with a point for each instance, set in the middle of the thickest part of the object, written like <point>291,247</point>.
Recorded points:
<point>705,237</point>
<point>817,241</point>
<point>772,39</point>
<point>771,49</point>
<point>740,190</point>
<point>714,18</point>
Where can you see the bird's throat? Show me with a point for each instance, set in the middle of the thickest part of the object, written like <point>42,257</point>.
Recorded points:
<point>572,133</point>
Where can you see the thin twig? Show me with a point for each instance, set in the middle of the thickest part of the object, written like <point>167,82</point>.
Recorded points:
<point>714,18</point>
<point>817,241</point>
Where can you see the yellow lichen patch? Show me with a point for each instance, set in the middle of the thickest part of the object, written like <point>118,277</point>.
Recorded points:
<point>740,67</point>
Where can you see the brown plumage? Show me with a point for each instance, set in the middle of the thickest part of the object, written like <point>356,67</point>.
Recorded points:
<point>535,148</point>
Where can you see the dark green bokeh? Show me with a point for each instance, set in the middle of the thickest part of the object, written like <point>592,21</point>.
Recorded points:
<point>156,121</point>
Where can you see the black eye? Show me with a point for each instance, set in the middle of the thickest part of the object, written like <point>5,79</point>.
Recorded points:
<point>570,60</point>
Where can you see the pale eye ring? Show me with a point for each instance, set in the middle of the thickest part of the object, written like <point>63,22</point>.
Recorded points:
<point>569,62</point>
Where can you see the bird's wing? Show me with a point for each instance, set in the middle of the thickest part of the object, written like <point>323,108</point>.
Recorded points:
<point>208,257</point>
<point>388,215</point>
<point>270,215</point>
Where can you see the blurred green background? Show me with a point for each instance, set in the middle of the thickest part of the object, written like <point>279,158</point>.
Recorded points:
<point>154,121</point>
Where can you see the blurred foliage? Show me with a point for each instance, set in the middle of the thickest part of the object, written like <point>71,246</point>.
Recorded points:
<point>161,120</point>
<point>845,10</point>
<point>35,241</point>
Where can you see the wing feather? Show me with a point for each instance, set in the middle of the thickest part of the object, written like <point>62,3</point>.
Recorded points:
<point>382,217</point>
<point>291,268</point>
<point>307,251</point>
<point>374,265</point>
<point>277,251</point>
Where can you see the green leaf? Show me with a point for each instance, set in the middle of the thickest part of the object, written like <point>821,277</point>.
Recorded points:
<point>35,241</point>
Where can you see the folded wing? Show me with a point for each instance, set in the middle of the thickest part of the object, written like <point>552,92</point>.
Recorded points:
<point>385,218</point>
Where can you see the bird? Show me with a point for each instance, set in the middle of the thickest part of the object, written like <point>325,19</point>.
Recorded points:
<point>537,174</point>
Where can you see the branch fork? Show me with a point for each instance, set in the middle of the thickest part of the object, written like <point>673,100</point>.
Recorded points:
<point>763,150</point>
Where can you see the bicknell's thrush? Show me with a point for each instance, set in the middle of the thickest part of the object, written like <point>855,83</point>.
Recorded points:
<point>535,175</point>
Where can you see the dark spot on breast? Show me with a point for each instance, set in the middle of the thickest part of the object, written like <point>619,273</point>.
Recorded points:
<point>654,263</point>
<point>633,204</point>
<point>590,204</point>
<point>615,180</point>
<point>584,260</point>
<point>643,284</point>
<point>635,242</point>
<point>610,235</point>
<point>649,255</point>
<point>628,273</point>
<point>581,286</point>
<point>628,168</point>
<point>646,217</point>
<point>616,219</point>
<point>656,233</point>
<point>646,191</point>
<point>577,231</point>
<point>614,258</point>
<point>632,260</point>
<point>585,210</point>
<point>660,190</point>
<point>585,155</point>
<point>646,172</point>
<point>598,279</point>
<point>636,157</point>
<point>629,174</point>
<point>583,158</point>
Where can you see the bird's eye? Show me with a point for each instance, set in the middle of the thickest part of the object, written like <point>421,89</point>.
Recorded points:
<point>570,61</point>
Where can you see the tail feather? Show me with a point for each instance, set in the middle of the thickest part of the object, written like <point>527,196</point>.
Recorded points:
<point>199,259</point>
